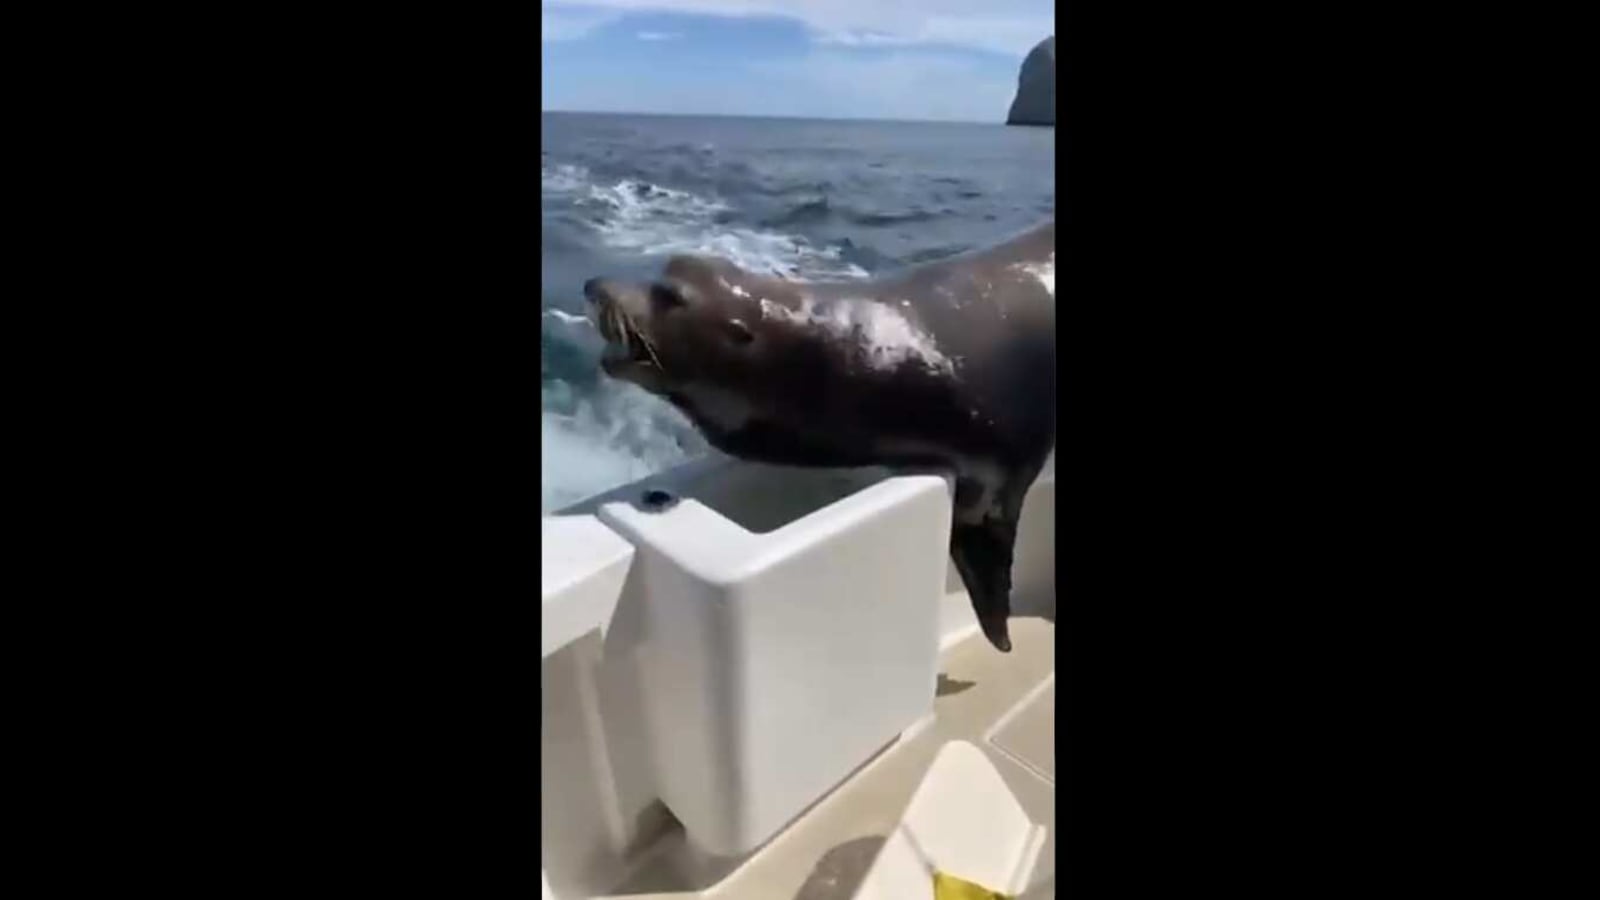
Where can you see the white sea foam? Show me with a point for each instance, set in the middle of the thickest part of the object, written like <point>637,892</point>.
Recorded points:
<point>569,318</point>
<point>649,219</point>
<point>606,438</point>
<point>562,178</point>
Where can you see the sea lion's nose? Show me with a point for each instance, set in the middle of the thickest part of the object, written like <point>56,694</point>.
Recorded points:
<point>593,288</point>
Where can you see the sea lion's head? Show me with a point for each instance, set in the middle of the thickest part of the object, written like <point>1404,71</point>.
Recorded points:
<point>695,325</point>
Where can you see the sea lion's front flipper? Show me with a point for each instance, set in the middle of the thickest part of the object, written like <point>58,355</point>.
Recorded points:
<point>982,554</point>
<point>983,539</point>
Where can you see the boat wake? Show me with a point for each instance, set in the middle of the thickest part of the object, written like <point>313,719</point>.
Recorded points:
<point>650,220</point>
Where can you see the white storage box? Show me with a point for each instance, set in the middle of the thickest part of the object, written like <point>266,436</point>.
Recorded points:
<point>774,662</point>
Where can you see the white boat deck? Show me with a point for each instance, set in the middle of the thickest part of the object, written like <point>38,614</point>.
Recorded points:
<point>736,694</point>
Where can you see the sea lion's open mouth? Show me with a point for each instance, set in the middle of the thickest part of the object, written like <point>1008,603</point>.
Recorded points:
<point>625,341</point>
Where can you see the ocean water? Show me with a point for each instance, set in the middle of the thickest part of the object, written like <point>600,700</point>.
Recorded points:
<point>803,198</point>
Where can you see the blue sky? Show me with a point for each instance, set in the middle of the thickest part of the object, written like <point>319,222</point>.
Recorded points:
<point>876,59</point>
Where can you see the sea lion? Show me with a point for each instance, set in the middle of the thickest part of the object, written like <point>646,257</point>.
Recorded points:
<point>950,364</point>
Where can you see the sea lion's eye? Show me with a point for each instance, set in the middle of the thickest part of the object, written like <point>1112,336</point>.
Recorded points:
<point>739,332</point>
<point>667,296</point>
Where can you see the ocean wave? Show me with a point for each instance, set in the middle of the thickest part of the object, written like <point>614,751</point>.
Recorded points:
<point>806,213</point>
<point>884,219</point>
<point>598,433</point>
<point>813,212</point>
<point>605,436</point>
<point>936,253</point>
<point>562,178</point>
<point>638,216</point>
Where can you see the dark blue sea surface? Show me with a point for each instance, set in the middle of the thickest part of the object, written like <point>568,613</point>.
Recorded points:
<point>803,198</point>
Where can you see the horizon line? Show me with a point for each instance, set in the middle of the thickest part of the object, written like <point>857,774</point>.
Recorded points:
<point>722,115</point>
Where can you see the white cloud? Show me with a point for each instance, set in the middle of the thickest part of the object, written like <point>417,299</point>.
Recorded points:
<point>898,85</point>
<point>1004,26</point>
<point>826,83</point>
<point>658,35</point>
<point>567,24</point>
<point>863,39</point>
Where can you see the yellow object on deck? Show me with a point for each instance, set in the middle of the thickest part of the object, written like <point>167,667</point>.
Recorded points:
<point>949,887</point>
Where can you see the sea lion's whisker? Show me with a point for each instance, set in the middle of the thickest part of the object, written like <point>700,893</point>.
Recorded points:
<point>648,347</point>
<point>619,323</point>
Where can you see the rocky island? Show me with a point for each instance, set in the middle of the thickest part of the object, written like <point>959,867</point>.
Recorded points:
<point>1036,87</point>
